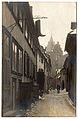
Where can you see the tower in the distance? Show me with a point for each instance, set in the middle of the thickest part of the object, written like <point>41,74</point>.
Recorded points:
<point>50,45</point>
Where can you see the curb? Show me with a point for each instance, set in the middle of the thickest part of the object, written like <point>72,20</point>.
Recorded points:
<point>70,103</point>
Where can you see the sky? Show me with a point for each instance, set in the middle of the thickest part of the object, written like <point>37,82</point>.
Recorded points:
<point>58,24</point>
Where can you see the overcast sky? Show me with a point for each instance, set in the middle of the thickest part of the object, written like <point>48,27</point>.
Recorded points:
<point>60,15</point>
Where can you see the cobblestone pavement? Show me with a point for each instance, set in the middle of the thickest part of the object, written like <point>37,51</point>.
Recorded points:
<point>53,105</point>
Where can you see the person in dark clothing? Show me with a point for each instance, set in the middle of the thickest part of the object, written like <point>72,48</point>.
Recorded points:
<point>40,80</point>
<point>58,88</point>
<point>62,85</point>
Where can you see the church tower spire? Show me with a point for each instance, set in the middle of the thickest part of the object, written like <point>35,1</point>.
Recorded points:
<point>50,45</point>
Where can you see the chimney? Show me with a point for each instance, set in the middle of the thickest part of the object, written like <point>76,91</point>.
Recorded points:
<point>37,27</point>
<point>73,25</point>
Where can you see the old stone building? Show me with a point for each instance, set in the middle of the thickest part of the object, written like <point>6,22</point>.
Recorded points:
<point>22,55</point>
<point>19,54</point>
<point>70,63</point>
<point>44,63</point>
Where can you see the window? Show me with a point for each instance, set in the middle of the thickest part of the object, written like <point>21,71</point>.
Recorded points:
<point>27,66</point>
<point>30,40</point>
<point>25,63</point>
<point>26,29</point>
<point>14,56</point>
<point>20,60</point>
<point>17,12</point>
<point>17,57</point>
<point>20,17</point>
<point>7,45</point>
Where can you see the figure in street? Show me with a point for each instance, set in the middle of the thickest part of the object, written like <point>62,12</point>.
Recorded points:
<point>58,88</point>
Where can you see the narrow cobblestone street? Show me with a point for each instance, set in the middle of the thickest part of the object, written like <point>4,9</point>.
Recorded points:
<point>39,59</point>
<point>53,105</point>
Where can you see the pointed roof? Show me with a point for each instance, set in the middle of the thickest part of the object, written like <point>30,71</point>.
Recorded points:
<point>50,45</point>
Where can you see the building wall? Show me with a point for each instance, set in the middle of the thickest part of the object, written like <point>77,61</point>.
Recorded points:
<point>16,31</point>
<point>11,81</point>
<point>70,47</point>
<point>72,92</point>
<point>14,84</point>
